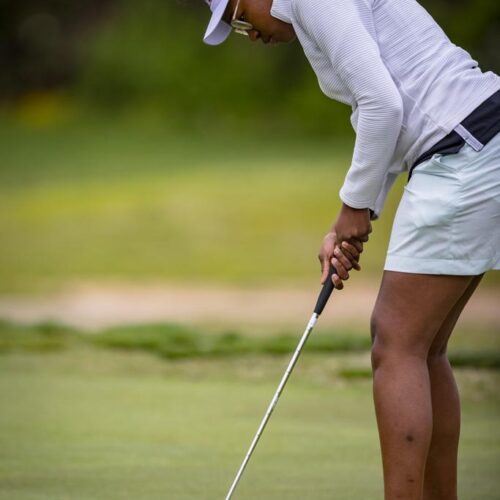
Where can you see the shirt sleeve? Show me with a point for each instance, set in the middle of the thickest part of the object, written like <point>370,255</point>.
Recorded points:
<point>337,29</point>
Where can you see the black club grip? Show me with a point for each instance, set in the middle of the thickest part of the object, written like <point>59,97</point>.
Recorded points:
<point>325,293</point>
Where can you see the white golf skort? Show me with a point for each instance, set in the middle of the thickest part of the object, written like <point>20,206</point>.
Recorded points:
<point>448,220</point>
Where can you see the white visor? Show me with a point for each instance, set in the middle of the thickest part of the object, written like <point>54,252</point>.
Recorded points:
<point>218,30</point>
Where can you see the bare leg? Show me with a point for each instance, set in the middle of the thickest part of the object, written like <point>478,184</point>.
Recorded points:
<point>410,311</point>
<point>440,482</point>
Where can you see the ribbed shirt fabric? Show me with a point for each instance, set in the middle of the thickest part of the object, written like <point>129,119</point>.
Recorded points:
<point>407,83</point>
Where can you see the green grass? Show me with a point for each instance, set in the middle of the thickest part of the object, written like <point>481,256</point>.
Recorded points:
<point>173,341</point>
<point>101,199</point>
<point>86,423</point>
<point>96,198</point>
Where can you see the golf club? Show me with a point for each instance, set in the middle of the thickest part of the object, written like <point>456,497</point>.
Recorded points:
<point>324,295</point>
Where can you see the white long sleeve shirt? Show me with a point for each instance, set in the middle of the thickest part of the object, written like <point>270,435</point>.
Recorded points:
<point>407,83</point>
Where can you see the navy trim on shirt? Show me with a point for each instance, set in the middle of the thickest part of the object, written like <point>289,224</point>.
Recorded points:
<point>483,123</point>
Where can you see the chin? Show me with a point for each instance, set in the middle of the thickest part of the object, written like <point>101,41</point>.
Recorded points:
<point>287,39</point>
<point>284,37</point>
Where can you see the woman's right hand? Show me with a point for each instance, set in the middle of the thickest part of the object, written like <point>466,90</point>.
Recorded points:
<point>342,257</point>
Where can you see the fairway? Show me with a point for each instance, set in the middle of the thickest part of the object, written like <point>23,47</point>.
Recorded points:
<point>85,423</point>
<point>99,200</point>
<point>102,202</point>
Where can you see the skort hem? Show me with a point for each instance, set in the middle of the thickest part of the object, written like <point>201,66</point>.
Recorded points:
<point>439,266</point>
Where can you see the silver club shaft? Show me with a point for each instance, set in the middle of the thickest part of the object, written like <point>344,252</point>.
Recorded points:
<point>270,409</point>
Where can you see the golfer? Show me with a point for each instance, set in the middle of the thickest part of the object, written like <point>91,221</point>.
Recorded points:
<point>421,105</point>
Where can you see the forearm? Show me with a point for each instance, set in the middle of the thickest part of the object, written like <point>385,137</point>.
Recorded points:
<point>378,129</point>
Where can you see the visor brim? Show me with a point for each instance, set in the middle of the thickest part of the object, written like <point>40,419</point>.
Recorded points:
<point>217,30</point>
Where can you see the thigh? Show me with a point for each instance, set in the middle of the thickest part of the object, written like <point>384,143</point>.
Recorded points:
<point>411,308</point>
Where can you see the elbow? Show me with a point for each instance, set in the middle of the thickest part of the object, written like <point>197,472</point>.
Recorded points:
<point>386,107</point>
<point>393,107</point>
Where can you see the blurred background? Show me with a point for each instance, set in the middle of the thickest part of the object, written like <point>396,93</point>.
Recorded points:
<point>161,207</point>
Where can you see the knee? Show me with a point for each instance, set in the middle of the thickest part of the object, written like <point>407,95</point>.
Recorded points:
<point>437,356</point>
<point>381,333</point>
<point>394,340</point>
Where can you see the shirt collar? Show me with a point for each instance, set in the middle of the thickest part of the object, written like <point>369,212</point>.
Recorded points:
<point>282,9</point>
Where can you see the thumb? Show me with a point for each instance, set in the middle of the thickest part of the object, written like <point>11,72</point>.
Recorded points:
<point>325,269</point>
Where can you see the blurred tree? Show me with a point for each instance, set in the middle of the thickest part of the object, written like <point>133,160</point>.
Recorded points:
<point>39,42</point>
<point>148,55</point>
<point>152,57</point>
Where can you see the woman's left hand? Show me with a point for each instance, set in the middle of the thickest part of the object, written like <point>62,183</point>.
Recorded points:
<point>352,224</point>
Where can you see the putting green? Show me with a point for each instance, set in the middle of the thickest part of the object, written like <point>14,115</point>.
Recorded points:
<point>85,423</point>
